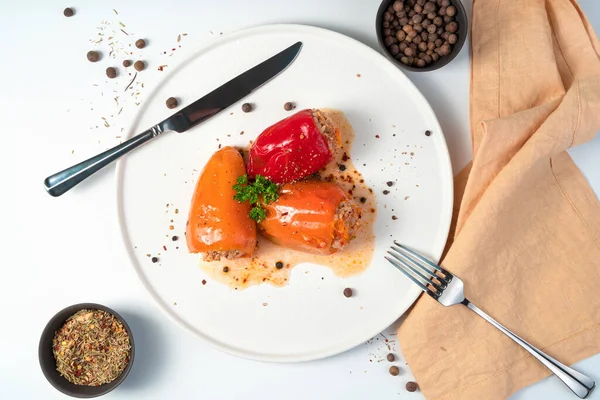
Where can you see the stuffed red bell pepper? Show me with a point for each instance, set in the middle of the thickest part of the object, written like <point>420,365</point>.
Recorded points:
<point>294,148</point>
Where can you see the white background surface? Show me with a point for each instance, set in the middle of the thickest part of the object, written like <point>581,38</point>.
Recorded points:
<point>58,252</point>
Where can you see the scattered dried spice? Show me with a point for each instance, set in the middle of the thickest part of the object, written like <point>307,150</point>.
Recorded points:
<point>363,200</point>
<point>348,292</point>
<point>411,386</point>
<point>111,72</point>
<point>390,183</point>
<point>92,348</point>
<point>342,167</point>
<point>154,259</point>
<point>394,371</point>
<point>139,65</point>
<point>288,106</point>
<point>204,281</point>
<point>247,107</point>
<point>279,265</point>
<point>68,12</point>
<point>171,102</point>
<point>391,358</point>
<point>127,63</point>
<point>386,192</point>
<point>394,217</point>
<point>175,238</point>
<point>130,83</point>
<point>140,43</point>
<point>427,133</point>
<point>93,56</point>
<point>226,269</point>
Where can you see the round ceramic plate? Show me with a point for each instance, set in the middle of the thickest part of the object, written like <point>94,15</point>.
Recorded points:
<point>309,318</point>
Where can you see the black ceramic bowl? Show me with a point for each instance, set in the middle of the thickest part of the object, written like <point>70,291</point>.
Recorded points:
<point>48,363</point>
<point>463,27</point>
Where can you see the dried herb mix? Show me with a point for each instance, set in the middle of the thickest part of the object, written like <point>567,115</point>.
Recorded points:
<point>92,348</point>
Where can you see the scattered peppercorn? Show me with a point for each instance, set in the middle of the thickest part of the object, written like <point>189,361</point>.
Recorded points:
<point>111,72</point>
<point>226,269</point>
<point>394,217</point>
<point>246,107</point>
<point>363,200</point>
<point>391,358</point>
<point>175,238</point>
<point>390,183</point>
<point>140,43</point>
<point>411,386</point>
<point>171,102</point>
<point>348,292</point>
<point>288,106</point>
<point>204,281</point>
<point>342,167</point>
<point>386,192</point>
<point>278,265</point>
<point>394,371</point>
<point>154,259</point>
<point>127,63</point>
<point>139,65</point>
<point>68,12</point>
<point>93,56</point>
<point>428,133</point>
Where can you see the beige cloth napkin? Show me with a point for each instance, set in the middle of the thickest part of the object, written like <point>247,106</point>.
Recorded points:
<point>527,232</point>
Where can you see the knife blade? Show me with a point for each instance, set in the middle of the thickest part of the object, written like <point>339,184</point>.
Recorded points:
<point>192,115</point>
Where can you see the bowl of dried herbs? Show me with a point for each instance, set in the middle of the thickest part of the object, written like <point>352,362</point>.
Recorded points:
<point>86,350</point>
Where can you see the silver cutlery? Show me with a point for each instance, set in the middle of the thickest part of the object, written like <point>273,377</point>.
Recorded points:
<point>448,290</point>
<point>197,112</point>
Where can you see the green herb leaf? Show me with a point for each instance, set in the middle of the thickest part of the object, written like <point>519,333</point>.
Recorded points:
<point>261,191</point>
<point>258,213</point>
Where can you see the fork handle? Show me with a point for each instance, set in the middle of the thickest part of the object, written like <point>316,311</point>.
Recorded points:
<point>580,384</point>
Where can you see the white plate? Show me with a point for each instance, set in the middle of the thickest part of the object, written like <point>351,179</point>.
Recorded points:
<point>309,318</point>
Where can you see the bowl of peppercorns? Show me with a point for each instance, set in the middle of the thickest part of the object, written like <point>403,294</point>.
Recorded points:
<point>421,35</point>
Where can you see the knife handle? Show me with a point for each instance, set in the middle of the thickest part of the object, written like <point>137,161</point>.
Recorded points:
<point>63,181</point>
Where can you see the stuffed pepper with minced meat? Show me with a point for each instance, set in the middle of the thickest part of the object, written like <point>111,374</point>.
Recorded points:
<point>312,216</point>
<point>294,148</point>
<point>219,226</point>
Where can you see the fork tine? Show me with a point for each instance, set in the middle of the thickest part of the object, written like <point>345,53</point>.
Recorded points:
<point>406,261</point>
<point>424,259</point>
<point>412,278</point>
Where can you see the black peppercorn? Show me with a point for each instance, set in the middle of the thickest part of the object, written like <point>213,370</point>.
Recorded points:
<point>411,386</point>
<point>348,292</point>
<point>68,12</point>
<point>278,265</point>
<point>288,106</point>
<point>246,107</point>
<point>93,56</point>
<point>171,103</point>
<point>111,72</point>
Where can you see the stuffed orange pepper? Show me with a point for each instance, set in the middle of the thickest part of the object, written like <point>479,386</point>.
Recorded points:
<point>311,216</point>
<point>219,226</point>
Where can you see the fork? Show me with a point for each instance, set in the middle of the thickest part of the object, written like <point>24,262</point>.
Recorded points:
<point>448,290</point>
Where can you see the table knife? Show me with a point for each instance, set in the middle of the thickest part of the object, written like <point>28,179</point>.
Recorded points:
<point>195,113</point>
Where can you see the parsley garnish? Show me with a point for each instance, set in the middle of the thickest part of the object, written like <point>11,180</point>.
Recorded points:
<point>261,191</point>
